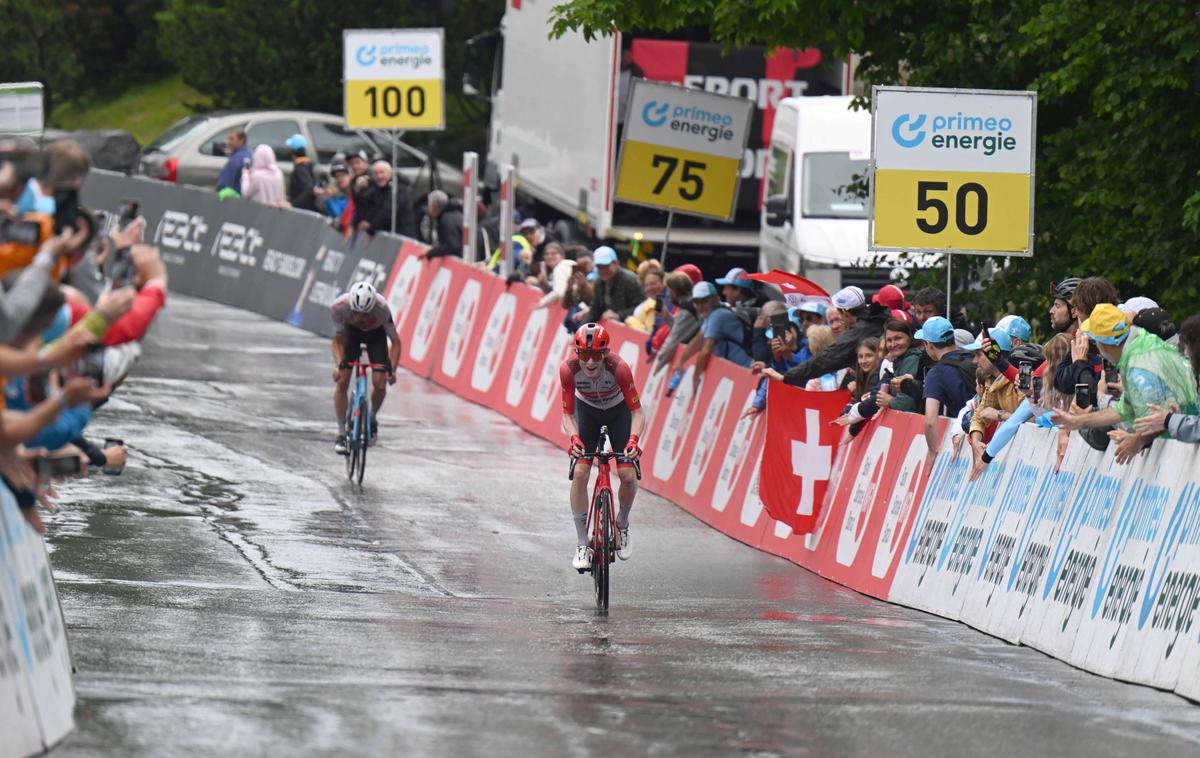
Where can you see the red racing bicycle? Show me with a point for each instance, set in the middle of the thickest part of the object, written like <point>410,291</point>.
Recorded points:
<point>602,516</point>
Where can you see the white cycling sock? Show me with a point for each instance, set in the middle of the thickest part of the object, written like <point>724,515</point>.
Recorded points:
<point>580,527</point>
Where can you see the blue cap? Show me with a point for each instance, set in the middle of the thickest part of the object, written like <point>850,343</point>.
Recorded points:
<point>296,143</point>
<point>998,335</point>
<point>704,290</point>
<point>604,256</point>
<point>1017,327</point>
<point>937,330</point>
<point>736,277</point>
<point>814,307</point>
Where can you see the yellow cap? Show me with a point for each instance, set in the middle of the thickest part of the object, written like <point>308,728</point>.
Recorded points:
<point>1107,325</point>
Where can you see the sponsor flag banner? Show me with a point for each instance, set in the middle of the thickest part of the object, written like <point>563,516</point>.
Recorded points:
<point>799,451</point>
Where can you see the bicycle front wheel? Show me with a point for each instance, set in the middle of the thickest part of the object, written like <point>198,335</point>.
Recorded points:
<point>351,447</point>
<point>602,549</point>
<point>364,436</point>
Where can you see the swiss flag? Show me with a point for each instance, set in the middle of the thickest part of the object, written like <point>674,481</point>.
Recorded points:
<point>798,453</point>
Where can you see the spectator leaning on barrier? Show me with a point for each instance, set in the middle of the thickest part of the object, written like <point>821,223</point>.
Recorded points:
<point>722,332</point>
<point>303,180</point>
<point>783,357</point>
<point>949,382</point>
<point>376,214</point>
<point>861,322</point>
<point>1000,396</point>
<point>335,198</point>
<point>899,387</point>
<point>229,181</point>
<point>262,181</point>
<point>1080,373</point>
<point>738,291</point>
<point>446,229</point>
<point>685,322</point>
<point>617,289</point>
<point>1154,374</point>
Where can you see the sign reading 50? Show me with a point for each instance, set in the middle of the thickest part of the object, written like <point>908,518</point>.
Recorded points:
<point>951,210</point>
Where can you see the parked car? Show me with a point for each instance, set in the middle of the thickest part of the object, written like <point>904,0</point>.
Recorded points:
<point>192,150</point>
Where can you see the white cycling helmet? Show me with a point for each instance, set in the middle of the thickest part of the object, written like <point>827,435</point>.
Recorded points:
<point>362,297</point>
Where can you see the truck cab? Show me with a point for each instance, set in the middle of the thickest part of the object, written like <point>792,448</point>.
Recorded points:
<point>814,220</point>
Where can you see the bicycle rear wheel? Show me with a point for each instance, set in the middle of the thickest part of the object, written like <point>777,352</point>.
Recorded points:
<point>364,436</point>
<point>602,550</point>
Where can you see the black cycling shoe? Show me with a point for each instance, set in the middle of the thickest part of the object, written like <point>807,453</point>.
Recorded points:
<point>374,428</point>
<point>339,445</point>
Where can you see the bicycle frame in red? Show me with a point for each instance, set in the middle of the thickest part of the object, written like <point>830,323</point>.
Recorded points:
<point>603,483</point>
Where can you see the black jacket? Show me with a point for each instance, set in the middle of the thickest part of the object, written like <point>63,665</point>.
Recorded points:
<point>622,295</point>
<point>300,186</point>
<point>447,231</point>
<point>377,210</point>
<point>842,353</point>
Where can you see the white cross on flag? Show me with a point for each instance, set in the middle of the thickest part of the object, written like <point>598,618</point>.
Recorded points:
<point>798,454</point>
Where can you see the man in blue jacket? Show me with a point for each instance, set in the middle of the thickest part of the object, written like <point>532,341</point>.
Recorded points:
<point>229,181</point>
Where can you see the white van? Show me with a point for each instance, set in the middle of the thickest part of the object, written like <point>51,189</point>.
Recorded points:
<point>814,220</point>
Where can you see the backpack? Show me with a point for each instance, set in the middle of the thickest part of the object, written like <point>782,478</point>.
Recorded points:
<point>966,369</point>
<point>745,315</point>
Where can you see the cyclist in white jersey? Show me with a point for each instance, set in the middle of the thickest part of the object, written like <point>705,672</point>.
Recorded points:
<point>360,316</point>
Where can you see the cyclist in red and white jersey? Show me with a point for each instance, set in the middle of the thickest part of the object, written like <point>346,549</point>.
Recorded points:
<point>361,316</point>
<point>598,390</point>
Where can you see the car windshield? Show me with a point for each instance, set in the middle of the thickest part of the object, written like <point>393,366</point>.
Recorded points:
<point>175,134</point>
<point>834,186</point>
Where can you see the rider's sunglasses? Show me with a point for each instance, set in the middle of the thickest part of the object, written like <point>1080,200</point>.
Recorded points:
<point>591,355</point>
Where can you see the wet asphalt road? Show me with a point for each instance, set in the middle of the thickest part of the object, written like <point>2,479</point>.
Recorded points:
<point>232,594</point>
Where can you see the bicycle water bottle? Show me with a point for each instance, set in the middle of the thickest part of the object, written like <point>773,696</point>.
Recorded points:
<point>673,382</point>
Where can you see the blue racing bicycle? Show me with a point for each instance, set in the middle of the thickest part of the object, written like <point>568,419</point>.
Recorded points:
<point>358,420</point>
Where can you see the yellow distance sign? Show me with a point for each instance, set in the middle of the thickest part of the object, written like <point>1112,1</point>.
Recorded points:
<point>402,104</point>
<point>951,210</point>
<point>668,177</point>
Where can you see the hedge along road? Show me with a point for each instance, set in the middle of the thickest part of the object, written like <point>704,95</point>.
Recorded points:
<point>233,594</point>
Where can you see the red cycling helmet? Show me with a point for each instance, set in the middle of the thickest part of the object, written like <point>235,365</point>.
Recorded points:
<point>591,337</point>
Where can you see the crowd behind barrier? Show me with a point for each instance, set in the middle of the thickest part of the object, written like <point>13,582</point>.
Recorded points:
<point>1087,554</point>
<point>80,291</point>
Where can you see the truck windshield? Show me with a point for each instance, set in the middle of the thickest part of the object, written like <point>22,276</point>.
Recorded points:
<point>834,186</point>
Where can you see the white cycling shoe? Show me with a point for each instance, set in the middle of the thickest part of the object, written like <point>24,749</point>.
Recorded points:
<point>624,550</point>
<point>583,558</point>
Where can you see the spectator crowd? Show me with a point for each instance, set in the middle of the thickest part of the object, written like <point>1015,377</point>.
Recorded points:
<point>78,293</point>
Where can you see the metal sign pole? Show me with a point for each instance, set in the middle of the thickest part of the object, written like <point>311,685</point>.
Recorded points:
<point>508,200</point>
<point>667,237</point>
<point>949,263</point>
<point>395,179</point>
<point>470,205</point>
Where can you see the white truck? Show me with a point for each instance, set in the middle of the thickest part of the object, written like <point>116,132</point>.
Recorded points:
<point>557,113</point>
<point>814,220</point>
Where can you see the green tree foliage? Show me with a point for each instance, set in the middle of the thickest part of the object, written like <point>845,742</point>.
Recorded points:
<point>271,54</point>
<point>79,48</point>
<point>1117,193</point>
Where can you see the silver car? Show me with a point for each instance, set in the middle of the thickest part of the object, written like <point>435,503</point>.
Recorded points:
<point>192,150</point>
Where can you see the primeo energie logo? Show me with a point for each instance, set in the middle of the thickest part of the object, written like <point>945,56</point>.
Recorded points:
<point>711,125</point>
<point>986,134</point>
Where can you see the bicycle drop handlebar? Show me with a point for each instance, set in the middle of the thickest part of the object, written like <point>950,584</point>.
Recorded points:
<point>602,456</point>
<point>637,466</point>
